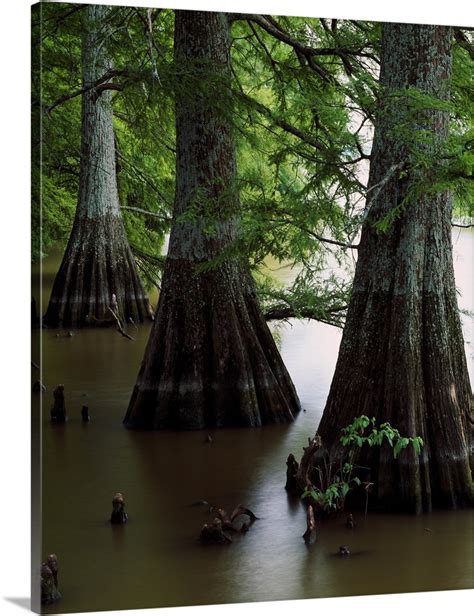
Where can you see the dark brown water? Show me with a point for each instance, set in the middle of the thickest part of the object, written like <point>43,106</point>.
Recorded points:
<point>155,559</point>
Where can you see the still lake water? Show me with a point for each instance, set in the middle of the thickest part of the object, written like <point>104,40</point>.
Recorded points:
<point>155,559</point>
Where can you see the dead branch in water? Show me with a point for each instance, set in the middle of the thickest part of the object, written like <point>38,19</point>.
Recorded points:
<point>120,329</point>
<point>310,532</point>
<point>241,510</point>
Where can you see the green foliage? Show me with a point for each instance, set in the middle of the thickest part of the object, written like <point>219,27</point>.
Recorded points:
<point>433,164</point>
<point>334,485</point>
<point>301,125</point>
<point>304,183</point>
<point>58,207</point>
<point>144,125</point>
<point>310,296</point>
<point>357,434</point>
<point>332,498</point>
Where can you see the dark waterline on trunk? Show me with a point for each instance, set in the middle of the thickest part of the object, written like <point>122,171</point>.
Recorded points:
<point>155,559</point>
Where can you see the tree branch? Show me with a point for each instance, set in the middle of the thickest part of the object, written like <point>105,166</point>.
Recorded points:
<point>57,19</point>
<point>273,62</point>
<point>120,329</point>
<point>286,126</point>
<point>99,85</point>
<point>273,28</point>
<point>326,240</point>
<point>142,211</point>
<point>464,42</point>
<point>283,313</point>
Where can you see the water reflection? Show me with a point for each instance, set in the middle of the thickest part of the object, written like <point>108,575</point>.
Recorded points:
<point>155,560</point>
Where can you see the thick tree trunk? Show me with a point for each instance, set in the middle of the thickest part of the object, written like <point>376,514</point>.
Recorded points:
<point>211,360</point>
<point>402,356</point>
<point>98,261</point>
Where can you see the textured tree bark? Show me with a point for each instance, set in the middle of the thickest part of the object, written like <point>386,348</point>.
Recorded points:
<point>98,261</point>
<point>402,356</point>
<point>211,360</point>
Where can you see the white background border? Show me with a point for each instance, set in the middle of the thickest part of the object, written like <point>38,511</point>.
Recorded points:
<point>15,302</point>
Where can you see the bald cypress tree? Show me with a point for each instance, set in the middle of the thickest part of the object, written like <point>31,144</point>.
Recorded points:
<point>98,262</point>
<point>211,360</point>
<point>402,355</point>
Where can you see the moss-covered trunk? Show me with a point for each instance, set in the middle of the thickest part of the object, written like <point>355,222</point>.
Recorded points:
<point>402,355</point>
<point>211,360</point>
<point>98,261</point>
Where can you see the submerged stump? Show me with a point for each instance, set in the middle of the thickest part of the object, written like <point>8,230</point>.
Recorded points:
<point>223,524</point>
<point>291,472</point>
<point>118,515</point>
<point>58,410</point>
<point>214,533</point>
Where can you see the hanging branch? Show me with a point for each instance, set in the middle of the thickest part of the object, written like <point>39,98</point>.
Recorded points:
<point>326,240</point>
<point>283,124</point>
<point>319,238</point>
<point>273,62</point>
<point>309,53</point>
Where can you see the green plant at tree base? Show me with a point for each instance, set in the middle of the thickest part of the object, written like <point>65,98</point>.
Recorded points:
<point>335,485</point>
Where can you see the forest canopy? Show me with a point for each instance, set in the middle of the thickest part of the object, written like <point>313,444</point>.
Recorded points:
<point>301,103</point>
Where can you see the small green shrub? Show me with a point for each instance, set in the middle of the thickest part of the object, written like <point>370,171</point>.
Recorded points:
<point>336,484</point>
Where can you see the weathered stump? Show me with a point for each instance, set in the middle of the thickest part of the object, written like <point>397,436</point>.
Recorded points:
<point>310,532</point>
<point>214,533</point>
<point>49,580</point>
<point>58,410</point>
<point>291,472</point>
<point>118,515</point>
<point>305,472</point>
<point>225,520</point>
<point>223,524</point>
